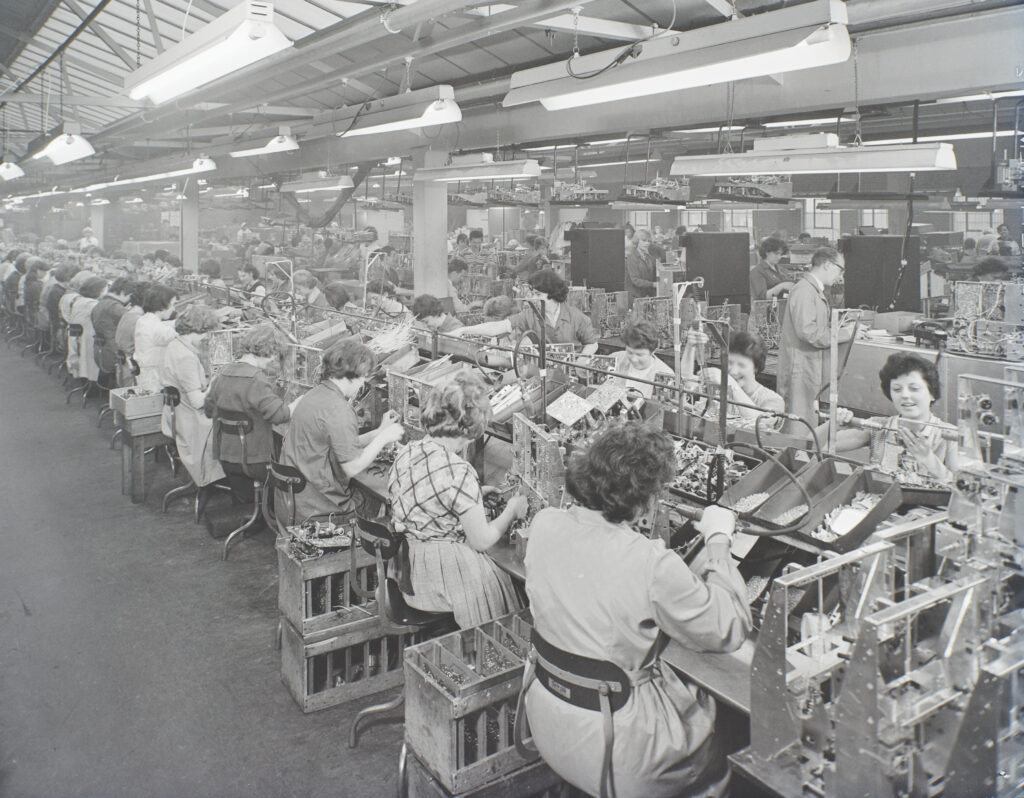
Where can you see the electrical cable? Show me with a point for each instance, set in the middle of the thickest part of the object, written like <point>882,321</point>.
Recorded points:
<point>630,51</point>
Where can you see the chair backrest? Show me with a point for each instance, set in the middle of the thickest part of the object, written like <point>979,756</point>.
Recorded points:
<point>286,479</point>
<point>377,538</point>
<point>231,422</point>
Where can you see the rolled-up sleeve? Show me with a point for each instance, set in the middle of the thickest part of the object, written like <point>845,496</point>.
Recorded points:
<point>709,614</point>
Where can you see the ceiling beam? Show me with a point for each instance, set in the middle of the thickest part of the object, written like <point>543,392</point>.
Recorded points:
<point>76,99</point>
<point>594,26</point>
<point>99,30</point>
<point>154,26</point>
<point>724,7</point>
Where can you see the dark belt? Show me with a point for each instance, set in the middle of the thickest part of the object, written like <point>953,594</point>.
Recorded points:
<point>593,684</point>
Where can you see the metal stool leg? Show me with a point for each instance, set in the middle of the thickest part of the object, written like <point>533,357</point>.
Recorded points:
<point>75,390</point>
<point>89,385</point>
<point>403,775</point>
<point>182,490</point>
<point>114,438</point>
<point>376,709</point>
<point>102,414</point>
<point>256,505</point>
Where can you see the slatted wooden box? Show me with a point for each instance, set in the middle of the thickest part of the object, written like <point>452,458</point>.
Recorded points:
<point>314,595</point>
<point>461,691</point>
<point>352,660</point>
<point>536,780</point>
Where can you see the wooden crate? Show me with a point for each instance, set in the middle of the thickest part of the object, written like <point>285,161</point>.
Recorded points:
<point>536,780</point>
<point>352,660</point>
<point>460,702</point>
<point>316,594</point>
<point>129,405</point>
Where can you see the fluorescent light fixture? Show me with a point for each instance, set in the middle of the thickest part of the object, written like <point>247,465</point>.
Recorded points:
<point>808,35</point>
<point>607,141</point>
<point>241,193</point>
<point>284,141</point>
<point>311,184</point>
<point>199,165</point>
<point>9,170</point>
<point>806,122</point>
<point>394,160</point>
<point>986,134</point>
<point>67,146</point>
<point>240,36</point>
<point>99,201</point>
<point>480,167</point>
<point>631,162</point>
<point>815,154</point>
<point>421,108</point>
<point>988,95</point>
<point>722,128</point>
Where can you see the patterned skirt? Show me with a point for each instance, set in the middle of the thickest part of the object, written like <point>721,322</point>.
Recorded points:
<point>448,576</point>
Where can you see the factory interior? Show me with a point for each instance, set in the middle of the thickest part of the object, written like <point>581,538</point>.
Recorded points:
<point>535,399</point>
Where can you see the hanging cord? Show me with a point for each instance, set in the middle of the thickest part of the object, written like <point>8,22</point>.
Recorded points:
<point>857,138</point>
<point>138,33</point>
<point>630,51</point>
<point>184,22</point>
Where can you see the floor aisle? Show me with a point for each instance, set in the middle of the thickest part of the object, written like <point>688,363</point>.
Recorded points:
<point>133,661</point>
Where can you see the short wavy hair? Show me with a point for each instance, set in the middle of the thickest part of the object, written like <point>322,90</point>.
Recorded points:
<point>499,308</point>
<point>749,345</point>
<point>305,278</point>
<point>900,365</point>
<point>772,244</point>
<point>640,335</point>
<point>337,294</point>
<point>547,282</point>
<point>263,341</point>
<point>622,469</point>
<point>122,286</point>
<point>425,306</point>
<point>458,408</point>
<point>93,288</point>
<point>211,268</point>
<point>197,319</point>
<point>347,359</point>
<point>158,297</point>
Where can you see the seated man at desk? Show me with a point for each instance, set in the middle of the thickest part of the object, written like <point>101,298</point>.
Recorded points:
<point>914,444</point>
<point>437,501</point>
<point>604,600</point>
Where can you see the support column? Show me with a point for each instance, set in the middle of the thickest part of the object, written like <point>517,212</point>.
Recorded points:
<point>97,216</point>
<point>430,229</point>
<point>190,227</point>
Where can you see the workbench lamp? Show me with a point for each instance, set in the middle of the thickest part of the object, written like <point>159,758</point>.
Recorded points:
<point>239,37</point>
<point>802,36</point>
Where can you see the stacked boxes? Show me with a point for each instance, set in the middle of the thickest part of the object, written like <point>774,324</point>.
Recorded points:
<point>333,648</point>
<point>461,691</point>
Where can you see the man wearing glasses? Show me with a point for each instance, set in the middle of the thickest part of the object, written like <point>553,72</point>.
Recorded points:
<point>804,342</point>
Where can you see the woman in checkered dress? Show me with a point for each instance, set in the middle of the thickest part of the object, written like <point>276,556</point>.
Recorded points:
<point>437,501</point>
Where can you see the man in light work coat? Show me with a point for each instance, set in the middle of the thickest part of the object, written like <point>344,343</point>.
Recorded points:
<point>804,343</point>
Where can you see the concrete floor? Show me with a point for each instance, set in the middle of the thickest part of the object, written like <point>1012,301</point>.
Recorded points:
<point>133,660</point>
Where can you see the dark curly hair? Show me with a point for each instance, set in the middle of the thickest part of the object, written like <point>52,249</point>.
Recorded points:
<point>900,365</point>
<point>337,294</point>
<point>347,359</point>
<point>425,306</point>
<point>640,335</point>
<point>749,345</point>
<point>772,244</point>
<point>621,470</point>
<point>158,297</point>
<point>547,282</point>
